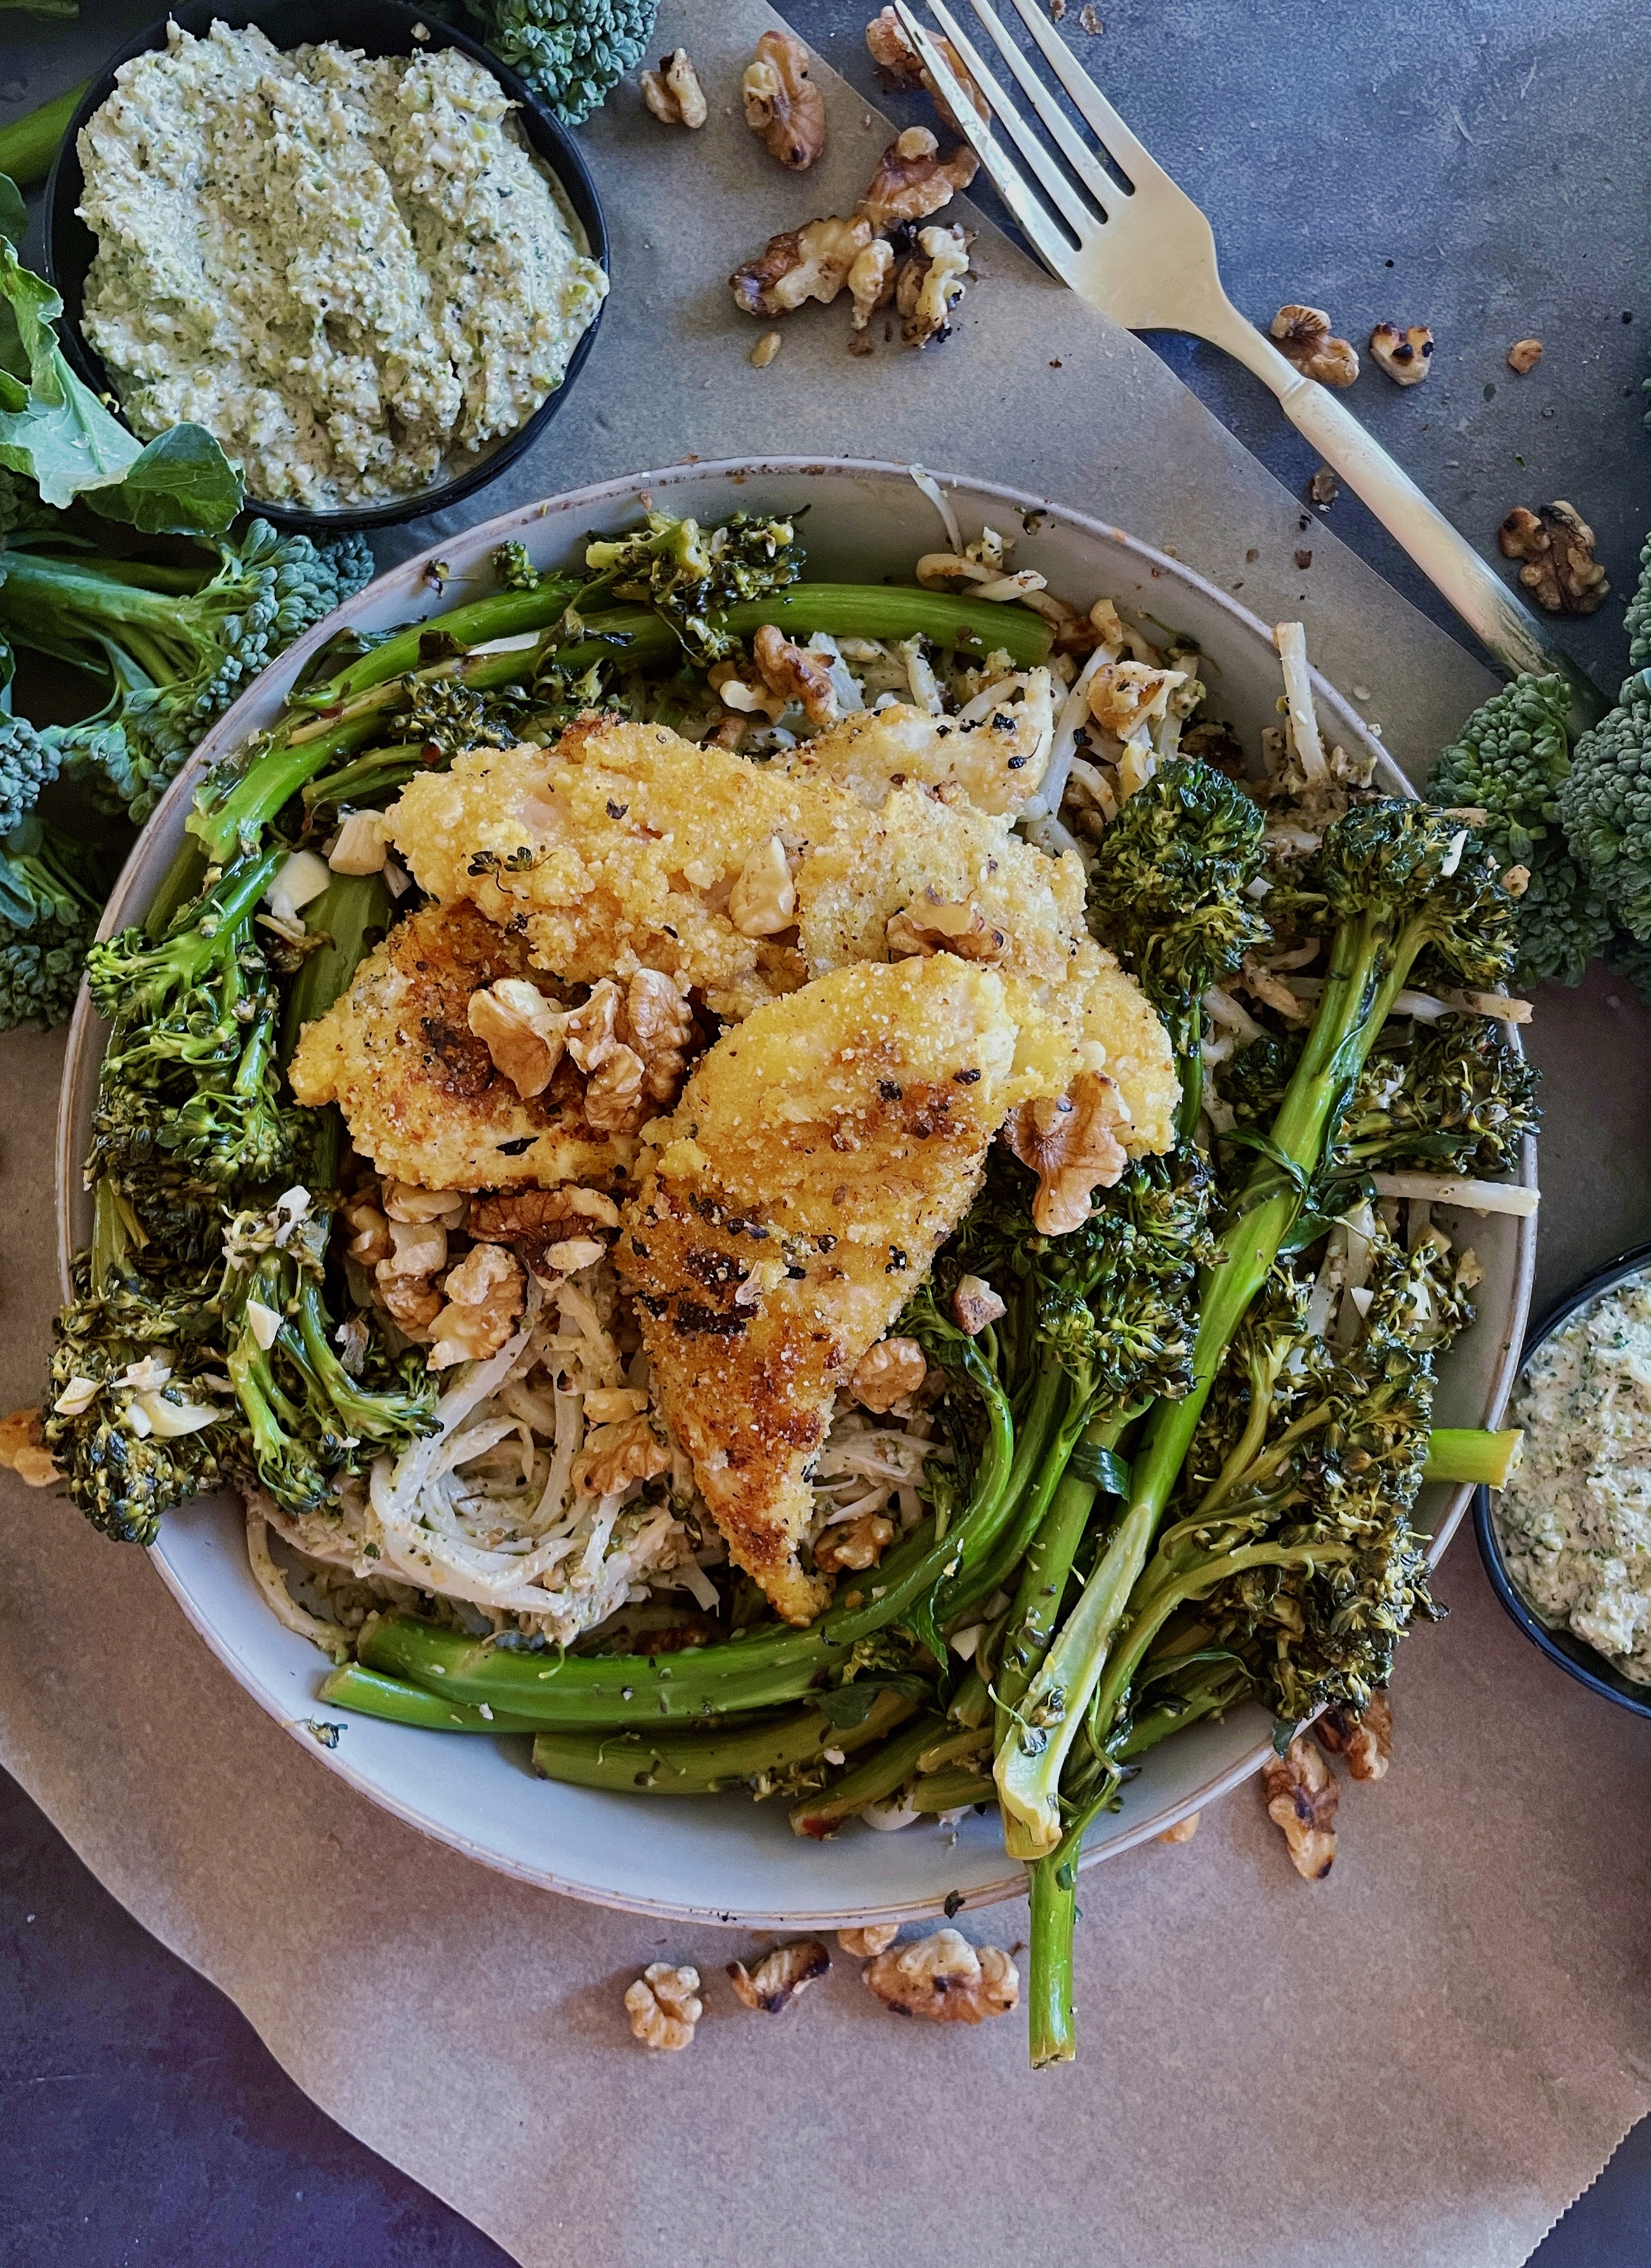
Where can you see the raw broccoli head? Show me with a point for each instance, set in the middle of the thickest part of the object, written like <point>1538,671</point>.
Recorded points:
<point>175,659</point>
<point>571,53</point>
<point>1167,888</point>
<point>1511,760</point>
<point>1606,806</point>
<point>51,889</point>
<point>27,764</point>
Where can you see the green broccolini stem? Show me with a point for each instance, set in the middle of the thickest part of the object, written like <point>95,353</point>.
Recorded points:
<point>352,913</point>
<point>371,1695</point>
<point>705,1764</point>
<point>502,614</point>
<point>364,780</point>
<point>1462,1452</point>
<point>28,144</point>
<point>881,1773</point>
<point>1044,1576</point>
<point>954,1787</point>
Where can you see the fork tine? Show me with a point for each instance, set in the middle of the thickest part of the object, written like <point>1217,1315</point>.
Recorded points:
<point>1094,178</point>
<point>1132,156</point>
<point>1051,248</point>
<point>1057,188</point>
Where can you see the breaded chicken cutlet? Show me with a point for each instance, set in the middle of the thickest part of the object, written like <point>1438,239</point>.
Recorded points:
<point>820,1155</point>
<point>418,1090</point>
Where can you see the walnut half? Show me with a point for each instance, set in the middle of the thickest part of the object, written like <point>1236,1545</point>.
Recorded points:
<point>887,1373</point>
<point>944,1978</point>
<point>673,93</point>
<point>892,52</point>
<point>664,2005</point>
<point>780,1975</point>
<point>811,263</point>
<point>1557,546</point>
<point>1304,337</point>
<point>784,108</point>
<point>1302,1792</point>
<point>1068,1142</point>
<point>913,180</point>
<point>854,1544</point>
<point>485,1294</point>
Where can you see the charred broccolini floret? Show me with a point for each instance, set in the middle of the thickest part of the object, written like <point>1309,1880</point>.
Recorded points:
<point>1511,760</point>
<point>689,574</point>
<point>1168,894</point>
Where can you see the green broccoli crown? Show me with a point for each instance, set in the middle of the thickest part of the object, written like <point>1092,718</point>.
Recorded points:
<point>41,969</point>
<point>27,764</point>
<point>1637,614</point>
<point>573,52</point>
<point>1167,888</point>
<point>1606,804</point>
<point>1433,881</point>
<point>1511,760</point>
<point>49,896</point>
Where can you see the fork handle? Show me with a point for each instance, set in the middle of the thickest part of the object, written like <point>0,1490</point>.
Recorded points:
<point>1514,637</point>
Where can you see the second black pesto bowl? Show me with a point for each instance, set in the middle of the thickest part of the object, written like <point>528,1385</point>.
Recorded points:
<point>378,27</point>
<point>1562,1646</point>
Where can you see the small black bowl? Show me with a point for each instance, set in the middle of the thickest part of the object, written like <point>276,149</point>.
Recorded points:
<point>381,27</point>
<point>1570,1654</point>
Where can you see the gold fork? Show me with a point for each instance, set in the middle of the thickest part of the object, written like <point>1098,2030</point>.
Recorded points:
<point>1142,252</point>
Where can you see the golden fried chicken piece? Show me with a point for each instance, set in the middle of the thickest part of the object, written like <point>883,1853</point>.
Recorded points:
<point>619,849</point>
<point>994,753</point>
<point>418,1090</point>
<point>819,1156</point>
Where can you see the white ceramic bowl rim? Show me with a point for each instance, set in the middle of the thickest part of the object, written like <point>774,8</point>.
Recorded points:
<point>410,579</point>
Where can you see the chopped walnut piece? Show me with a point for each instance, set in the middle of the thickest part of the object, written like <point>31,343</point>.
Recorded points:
<point>763,899</point>
<point>1364,1736</point>
<point>800,676</point>
<point>661,1027</point>
<point>1182,1831</point>
<point>592,1029</point>
<point>562,1222</point>
<point>887,1371</point>
<point>406,1201</point>
<point>417,1248</point>
<point>1304,337</point>
<point>892,51</point>
<point>871,280</point>
<point>1068,1142</point>
<point>1126,697</point>
<point>664,2005</point>
<point>615,1455</point>
<point>929,288</point>
<point>1524,354</point>
<point>936,924</point>
<point>811,263</point>
<point>23,1448</point>
<point>855,1544</point>
<point>1557,545</point>
<point>370,1233</point>
<point>784,108</point>
<point>522,1031</point>
<point>673,93</point>
<point>1302,1792</point>
<point>411,1302</point>
<point>913,180</point>
<point>944,1978</point>
<point>876,1937</point>
<point>1405,355</point>
<point>615,1098</point>
<point>765,349</point>
<point>485,1294</point>
<point>780,1975</point>
<point>1260,982</point>
<point>975,1305</point>
<point>1323,489</point>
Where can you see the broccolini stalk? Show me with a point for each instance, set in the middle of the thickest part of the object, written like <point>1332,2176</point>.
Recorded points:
<point>370,1694</point>
<point>351,914</point>
<point>709,1763</point>
<point>1394,879</point>
<point>1462,1452</point>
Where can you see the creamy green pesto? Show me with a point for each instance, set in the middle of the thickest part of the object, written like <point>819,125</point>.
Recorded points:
<point>349,270</point>
<point>1575,1522</point>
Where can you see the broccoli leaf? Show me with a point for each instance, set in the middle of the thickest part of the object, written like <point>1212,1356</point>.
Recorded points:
<point>57,431</point>
<point>14,213</point>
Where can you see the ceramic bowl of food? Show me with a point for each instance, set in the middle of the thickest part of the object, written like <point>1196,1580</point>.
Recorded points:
<point>723,1858</point>
<point>1502,1541</point>
<point>289,432</point>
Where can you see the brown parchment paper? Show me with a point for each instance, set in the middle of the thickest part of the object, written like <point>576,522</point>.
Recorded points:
<point>1420,2061</point>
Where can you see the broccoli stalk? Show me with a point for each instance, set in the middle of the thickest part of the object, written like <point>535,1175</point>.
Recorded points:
<point>1464,1453</point>
<point>1394,879</point>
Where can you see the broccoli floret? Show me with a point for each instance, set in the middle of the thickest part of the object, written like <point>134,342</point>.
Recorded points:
<point>1606,806</point>
<point>514,569</point>
<point>573,52</point>
<point>689,574</point>
<point>27,764</point>
<point>1511,760</point>
<point>1168,892</point>
<point>51,890</point>
<point>175,659</point>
